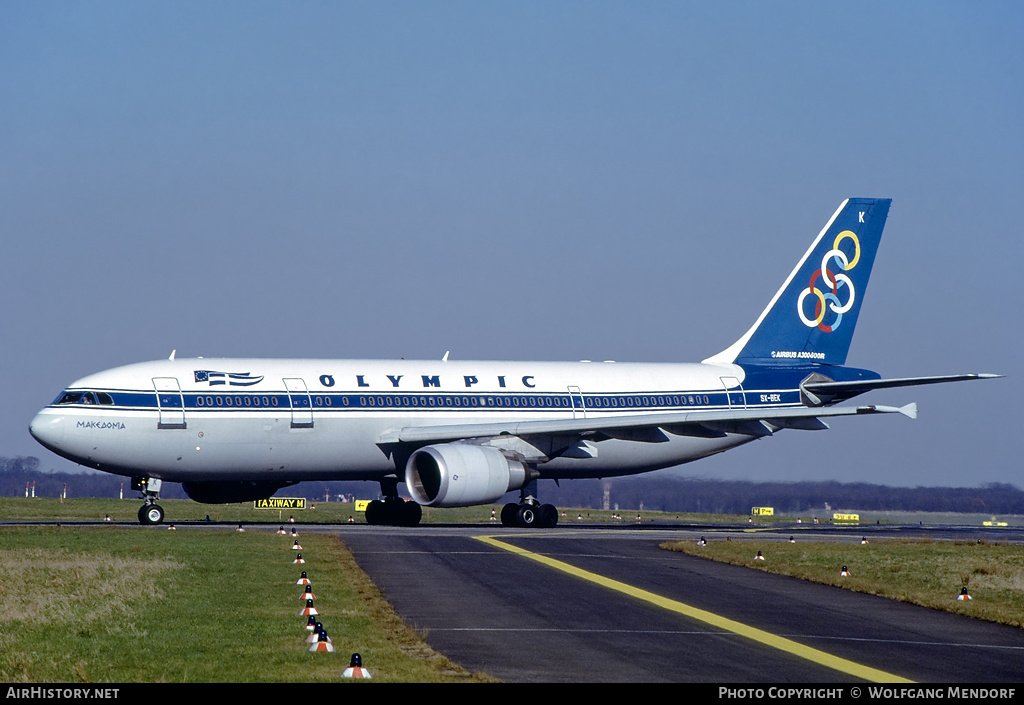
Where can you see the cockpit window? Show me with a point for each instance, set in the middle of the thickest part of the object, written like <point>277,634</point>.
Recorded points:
<point>86,398</point>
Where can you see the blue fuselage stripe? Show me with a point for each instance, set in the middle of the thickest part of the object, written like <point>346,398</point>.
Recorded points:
<point>342,401</point>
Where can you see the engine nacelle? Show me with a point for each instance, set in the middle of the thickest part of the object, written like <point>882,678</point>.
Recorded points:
<point>461,475</point>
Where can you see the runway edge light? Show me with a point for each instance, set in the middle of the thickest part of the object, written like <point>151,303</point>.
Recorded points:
<point>355,668</point>
<point>322,643</point>
<point>318,629</point>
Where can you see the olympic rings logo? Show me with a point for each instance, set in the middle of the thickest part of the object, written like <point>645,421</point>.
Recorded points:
<point>832,283</point>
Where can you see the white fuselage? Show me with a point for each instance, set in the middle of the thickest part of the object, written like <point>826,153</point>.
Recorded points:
<point>194,420</point>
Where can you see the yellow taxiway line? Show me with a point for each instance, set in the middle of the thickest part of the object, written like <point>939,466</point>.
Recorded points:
<point>768,639</point>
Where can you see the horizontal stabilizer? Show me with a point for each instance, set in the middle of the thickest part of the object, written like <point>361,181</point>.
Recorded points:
<point>823,392</point>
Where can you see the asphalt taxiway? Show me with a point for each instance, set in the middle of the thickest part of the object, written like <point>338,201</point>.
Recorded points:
<point>609,605</point>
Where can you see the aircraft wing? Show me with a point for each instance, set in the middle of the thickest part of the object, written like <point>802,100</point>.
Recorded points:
<point>646,427</point>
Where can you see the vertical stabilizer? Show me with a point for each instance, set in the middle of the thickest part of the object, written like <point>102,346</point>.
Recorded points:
<point>812,317</point>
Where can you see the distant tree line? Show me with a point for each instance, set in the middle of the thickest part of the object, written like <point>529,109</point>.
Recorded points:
<point>673,494</point>
<point>651,492</point>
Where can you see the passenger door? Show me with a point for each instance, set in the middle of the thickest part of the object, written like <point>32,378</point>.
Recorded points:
<point>302,406</point>
<point>170,402</point>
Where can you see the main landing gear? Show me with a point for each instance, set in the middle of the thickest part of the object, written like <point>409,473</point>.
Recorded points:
<point>392,510</point>
<point>529,513</point>
<point>150,512</point>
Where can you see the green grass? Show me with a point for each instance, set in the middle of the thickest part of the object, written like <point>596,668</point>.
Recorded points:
<point>129,604</point>
<point>143,605</point>
<point>184,510</point>
<point>923,572</point>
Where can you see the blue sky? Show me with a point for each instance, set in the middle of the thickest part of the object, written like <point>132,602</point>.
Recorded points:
<point>517,180</point>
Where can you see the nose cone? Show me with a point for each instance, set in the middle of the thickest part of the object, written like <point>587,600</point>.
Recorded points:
<point>48,428</point>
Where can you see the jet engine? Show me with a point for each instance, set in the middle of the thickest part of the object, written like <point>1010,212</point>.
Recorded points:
<point>461,475</point>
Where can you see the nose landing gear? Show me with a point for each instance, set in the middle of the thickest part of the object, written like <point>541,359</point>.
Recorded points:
<point>150,512</point>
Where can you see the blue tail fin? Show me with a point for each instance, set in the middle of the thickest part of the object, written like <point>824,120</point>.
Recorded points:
<point>812,317</point>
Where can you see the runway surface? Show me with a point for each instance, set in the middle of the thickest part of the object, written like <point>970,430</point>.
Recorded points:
<point>668,617</point>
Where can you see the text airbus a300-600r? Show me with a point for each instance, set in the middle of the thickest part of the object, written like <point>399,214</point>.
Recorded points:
<point>466,433</point>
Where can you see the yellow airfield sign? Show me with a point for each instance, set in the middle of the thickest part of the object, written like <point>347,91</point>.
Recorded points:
<point>280,503</point>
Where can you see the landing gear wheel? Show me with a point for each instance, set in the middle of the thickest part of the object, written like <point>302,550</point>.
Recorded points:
<point>411,514</point>
<point>151,514</point>
<point>393,512</point>
<point>527,516</point>
<point>508,514</point>
<point>547,516</point>
<point>375,513</point>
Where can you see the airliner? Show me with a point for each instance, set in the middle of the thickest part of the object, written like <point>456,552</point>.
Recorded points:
<point>467,433</point>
